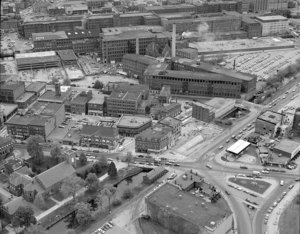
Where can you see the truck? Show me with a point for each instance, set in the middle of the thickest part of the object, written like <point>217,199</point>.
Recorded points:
<point>256,173</point>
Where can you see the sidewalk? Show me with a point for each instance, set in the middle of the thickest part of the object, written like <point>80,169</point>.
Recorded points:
<point>273,222</point>
<point>119,166</point>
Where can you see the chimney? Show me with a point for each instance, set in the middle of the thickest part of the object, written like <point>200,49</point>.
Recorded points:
<point>57,89</point>
<point>174,41</point>
<point>137,50</point>
<point>233,64</point>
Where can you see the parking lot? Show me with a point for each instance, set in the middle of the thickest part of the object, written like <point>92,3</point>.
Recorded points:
<point>263,64</point>
<point>11,41</point>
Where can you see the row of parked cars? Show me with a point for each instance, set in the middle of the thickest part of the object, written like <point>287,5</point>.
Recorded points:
<point>104,228</point>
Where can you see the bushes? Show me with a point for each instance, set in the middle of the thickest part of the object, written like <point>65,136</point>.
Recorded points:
<point>116,202</point>
<point>127,194</point>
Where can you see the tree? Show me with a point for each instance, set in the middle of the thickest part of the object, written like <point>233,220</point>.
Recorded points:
<point>127,194</point>
<point>82,159</point>
<point>54,80</point>
<point>83,214</point>
<point>24,216</point>
<point>92,182</point>
<point>98,85</point>
<point>39,201</point>
<point>71,185</point>
<point>34,148</point>
<point>99,201</point>
<point>103,161</point>
<point>128,157</point>
<point>109,191</point>
<point>147,110</point>
<point>112,170</point>
<point>291,4</point>
<point>55,152</point>
<point>35,229</point>
<point>67,82</point>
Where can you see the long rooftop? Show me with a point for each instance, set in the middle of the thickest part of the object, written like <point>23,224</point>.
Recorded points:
<point>133,121</point>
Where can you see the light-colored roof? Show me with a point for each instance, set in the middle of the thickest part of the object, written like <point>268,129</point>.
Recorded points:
<point>36,54</point>
<point>271,18</point>
<point>133,121</point>
<point>238,146</point>
<point>55,174</point>
<point>49,36</point>
<point>288,146</point>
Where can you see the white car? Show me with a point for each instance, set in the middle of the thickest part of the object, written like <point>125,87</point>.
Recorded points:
<point>281,182</point>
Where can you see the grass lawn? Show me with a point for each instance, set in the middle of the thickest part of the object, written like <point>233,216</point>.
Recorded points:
<point>260,186</point>
<point>49,203</point>
<point>150,227</point>
<point>289,220</point>
<point>58,196</point>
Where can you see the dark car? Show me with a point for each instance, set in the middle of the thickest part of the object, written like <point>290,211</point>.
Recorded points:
<point>227,192</point>
<point>176,165</point>
<point>243,167</point>
<point>96,151</point>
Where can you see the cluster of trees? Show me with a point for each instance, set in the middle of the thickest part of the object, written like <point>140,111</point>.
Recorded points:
<point>98,85</point>
<point>112,170</point>
<point>35,150</point>
<point>96,168</point>
<point>66,81</point>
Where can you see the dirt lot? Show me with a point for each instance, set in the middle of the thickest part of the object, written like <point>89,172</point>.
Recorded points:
<point>18,44</point>
<point>44,75</point>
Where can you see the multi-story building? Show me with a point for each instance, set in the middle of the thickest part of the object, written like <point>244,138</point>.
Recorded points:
<point>194,83</point>
<point>156,139</point>
<point>68,8</point>
<point>171,207</point>
<point>173,123</point>
<point>99,136</point>
<point>248,81</point>
<point>165,94</point>
<point>135,64</point>
<point>96,3</point>
<point>79,104</point>
<point>273,25</point>
<point>37,60</point>
<point>126,99</point>
<point>129,125</point>
<point>56,96</point>
<point>218,6</point>
<point>10,92</point>
<point>296,123</point>
<point>116,45</point>
<point>37,88</point>
<point>164,110</point>
<point>95,105</point>
<point>277,5</point>
<point>6,147</point>
<point>268,122</point>
<point>7,111</point>
<point>41,119</point>
<point>203,112</point>
<point>252,27</point>
<point>25,100</point>
<point>51,41</point>
<point>170,9</point>
<point>190,53</point>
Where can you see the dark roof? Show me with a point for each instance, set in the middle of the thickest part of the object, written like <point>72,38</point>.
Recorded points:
<point>156,171</point>
<point>55,174</point>
<point>49,36</point>
<point>28,120</point>
<point>81,100</point>
<point>67,55</point>
<point>91,130</point>
<point>50,95</point>
<point>35,87</point>
<point>32,60</point>
<point>80,34</point>
<point>155,133</point>
<point>11,85</point>
<point>140,58</point>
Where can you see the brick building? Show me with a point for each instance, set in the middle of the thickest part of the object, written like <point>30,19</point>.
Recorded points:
<point>96,105</point>
<point>6,147</point>
<point>37,88</point>
<point>25,100</point>
<point>164,110</point>
<point>273,25</point>
<point>99,136</point>
<point>79,104</point>
<point>252,27</point>
<point>296,123</point>
<point>10,92</point>
<point>268,122</point>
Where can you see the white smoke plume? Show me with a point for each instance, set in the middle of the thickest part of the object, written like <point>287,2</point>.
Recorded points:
<point>202,33</point>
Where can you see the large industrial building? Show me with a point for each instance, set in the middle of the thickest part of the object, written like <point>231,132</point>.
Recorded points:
<point>129,125</point>
<point>268,122</point>
<point>183,212</point>
<point>273,25</point>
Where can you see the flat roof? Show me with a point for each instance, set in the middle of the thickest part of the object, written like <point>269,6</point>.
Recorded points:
<point>238,147</point>
<point>35,54</point>
<point>114,30</point>
<point>170,121</point>
<point>271,117</point>
<point>25,96</point>
<point>271,18</point>
<point>35,86</point>
<point>287,146</point>
<point>8,108</point>
<point>133,121</point>
<point>157,131</point>
<point>218,103</point>
<point>50,95</point>
<point>67,55</point>
<point>49,36</point>
<point>240,44</point>
<point>141,58</point>
<point>28,120</point>
<point>188,206</point>
<point>203,105</point>
<point>121,95</point>
<point>11,85</point>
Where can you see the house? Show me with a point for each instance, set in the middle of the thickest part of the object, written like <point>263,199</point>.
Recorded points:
<point>154,175</point>
<point>49,181</point>
<point>18,180</point>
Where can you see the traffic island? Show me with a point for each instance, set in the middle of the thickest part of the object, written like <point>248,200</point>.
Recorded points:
<point>255,185</point>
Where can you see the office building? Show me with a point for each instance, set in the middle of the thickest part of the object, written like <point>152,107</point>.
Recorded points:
<point>165,94</point>
<point>173,123</point>
<point>126,99</point>
<point>37,88</point>
<point>183,212</point>
<point>217,6</point>
<point>25,100</point>
<point>10,92</point>
<point>273,25</point>
<point>41,119</point>
<point>170,9</point>
<point>164,110</point>
<point>287,148</point>
<point>268,122</point>
<point>99,137</point>
<point>6,111</point>
<point>96,104</point>
<point>129,125</point>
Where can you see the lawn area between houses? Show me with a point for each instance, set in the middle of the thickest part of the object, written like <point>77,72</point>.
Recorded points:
<point>289,220</point>
<point>258,186</point>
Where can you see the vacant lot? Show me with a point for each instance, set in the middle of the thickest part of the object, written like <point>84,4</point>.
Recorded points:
<point>289,220</point>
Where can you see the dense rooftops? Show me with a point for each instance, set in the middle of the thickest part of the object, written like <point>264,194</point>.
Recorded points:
<point>92,130</point>
<point>156,132</point>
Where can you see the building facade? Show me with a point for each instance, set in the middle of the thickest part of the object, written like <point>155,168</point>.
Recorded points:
<point>296,123</point>
<point>268,122</point>
<point>129,125</point>
<point>203,112</point>
<point>10,92</point>
<point>6,147</point>
<point>273,25</point>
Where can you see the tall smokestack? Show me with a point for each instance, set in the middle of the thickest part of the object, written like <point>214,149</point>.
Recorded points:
<point>233,64</point>
<point>137,46</point>
<point>57,89</point>
<point>174,41</point>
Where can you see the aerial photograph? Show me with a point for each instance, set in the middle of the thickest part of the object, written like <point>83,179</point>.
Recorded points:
<point>150,117</point>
